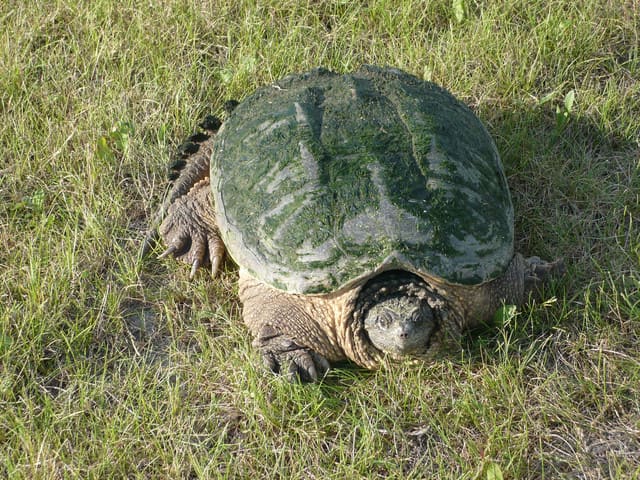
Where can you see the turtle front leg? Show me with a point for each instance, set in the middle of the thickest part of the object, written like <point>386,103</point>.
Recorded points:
<point>292,332</point>
<point>537,272</point>
<point>190,232</point>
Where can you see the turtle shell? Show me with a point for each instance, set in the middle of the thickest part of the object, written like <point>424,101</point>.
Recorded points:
<point>322,179</point>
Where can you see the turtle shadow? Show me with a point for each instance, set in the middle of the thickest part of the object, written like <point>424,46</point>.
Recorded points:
<point>570,184</point>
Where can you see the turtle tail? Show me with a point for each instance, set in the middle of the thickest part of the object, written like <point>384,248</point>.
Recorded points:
<point>189,166</point>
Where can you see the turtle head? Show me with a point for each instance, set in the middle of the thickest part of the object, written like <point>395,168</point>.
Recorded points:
<point>400,325</point>
<point>400,313</point>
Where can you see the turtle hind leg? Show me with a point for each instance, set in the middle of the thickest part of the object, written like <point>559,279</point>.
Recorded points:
<point>185,219</point>
<point>190,232</point>
<point>190,165</point>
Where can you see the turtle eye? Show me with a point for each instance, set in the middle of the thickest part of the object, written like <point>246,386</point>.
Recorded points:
<point>383,320</point>
<point>421,314</point>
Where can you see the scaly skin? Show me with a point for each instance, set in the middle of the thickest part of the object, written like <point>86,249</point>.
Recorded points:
<point>190,167</point>
<point>317,325</point>
<point>302,334</point>
<point>190,231</point>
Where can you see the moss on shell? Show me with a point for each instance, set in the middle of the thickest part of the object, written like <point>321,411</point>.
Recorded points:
<point>322,178</point>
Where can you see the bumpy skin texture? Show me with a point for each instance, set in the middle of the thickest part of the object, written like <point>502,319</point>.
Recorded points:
<point>302,334</point>
<point>317,323</point>
<point>189,166</point>
<point>185,220</point>
<point>190,231</point>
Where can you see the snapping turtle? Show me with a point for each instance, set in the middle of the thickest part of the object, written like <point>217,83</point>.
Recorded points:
<point>368,212</point>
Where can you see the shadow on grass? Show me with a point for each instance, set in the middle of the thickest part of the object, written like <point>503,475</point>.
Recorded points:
<point>574,192</point>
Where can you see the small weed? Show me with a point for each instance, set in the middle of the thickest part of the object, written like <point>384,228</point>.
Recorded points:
<point>493,471</point>
<point>563,112</point>
<point>458,10</point>
<point>504,315</point>
<point>116,142</point>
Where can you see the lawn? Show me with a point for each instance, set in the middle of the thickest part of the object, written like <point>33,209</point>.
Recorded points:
<point>113,367</point>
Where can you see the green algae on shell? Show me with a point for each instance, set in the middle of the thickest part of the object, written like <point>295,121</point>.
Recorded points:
<point>322,179</point>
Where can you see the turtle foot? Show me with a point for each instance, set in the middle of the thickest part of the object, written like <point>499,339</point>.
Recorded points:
<point>190,232</point>
<point>281,355</point>
<point>538,272</point>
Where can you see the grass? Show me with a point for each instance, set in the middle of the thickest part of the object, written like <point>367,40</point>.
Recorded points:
<point>113,368</point>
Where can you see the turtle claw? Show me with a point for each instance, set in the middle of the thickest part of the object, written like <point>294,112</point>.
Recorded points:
<point>538,272</point>
<point>216,253</point>
<point>194,268</point>
<point>215,265</point>
<point>190,233</point>
<point>307,366</point>
<point>173,248</point>
<point>542,271</point>
<point>299,364</point>
<point>193,249</point>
